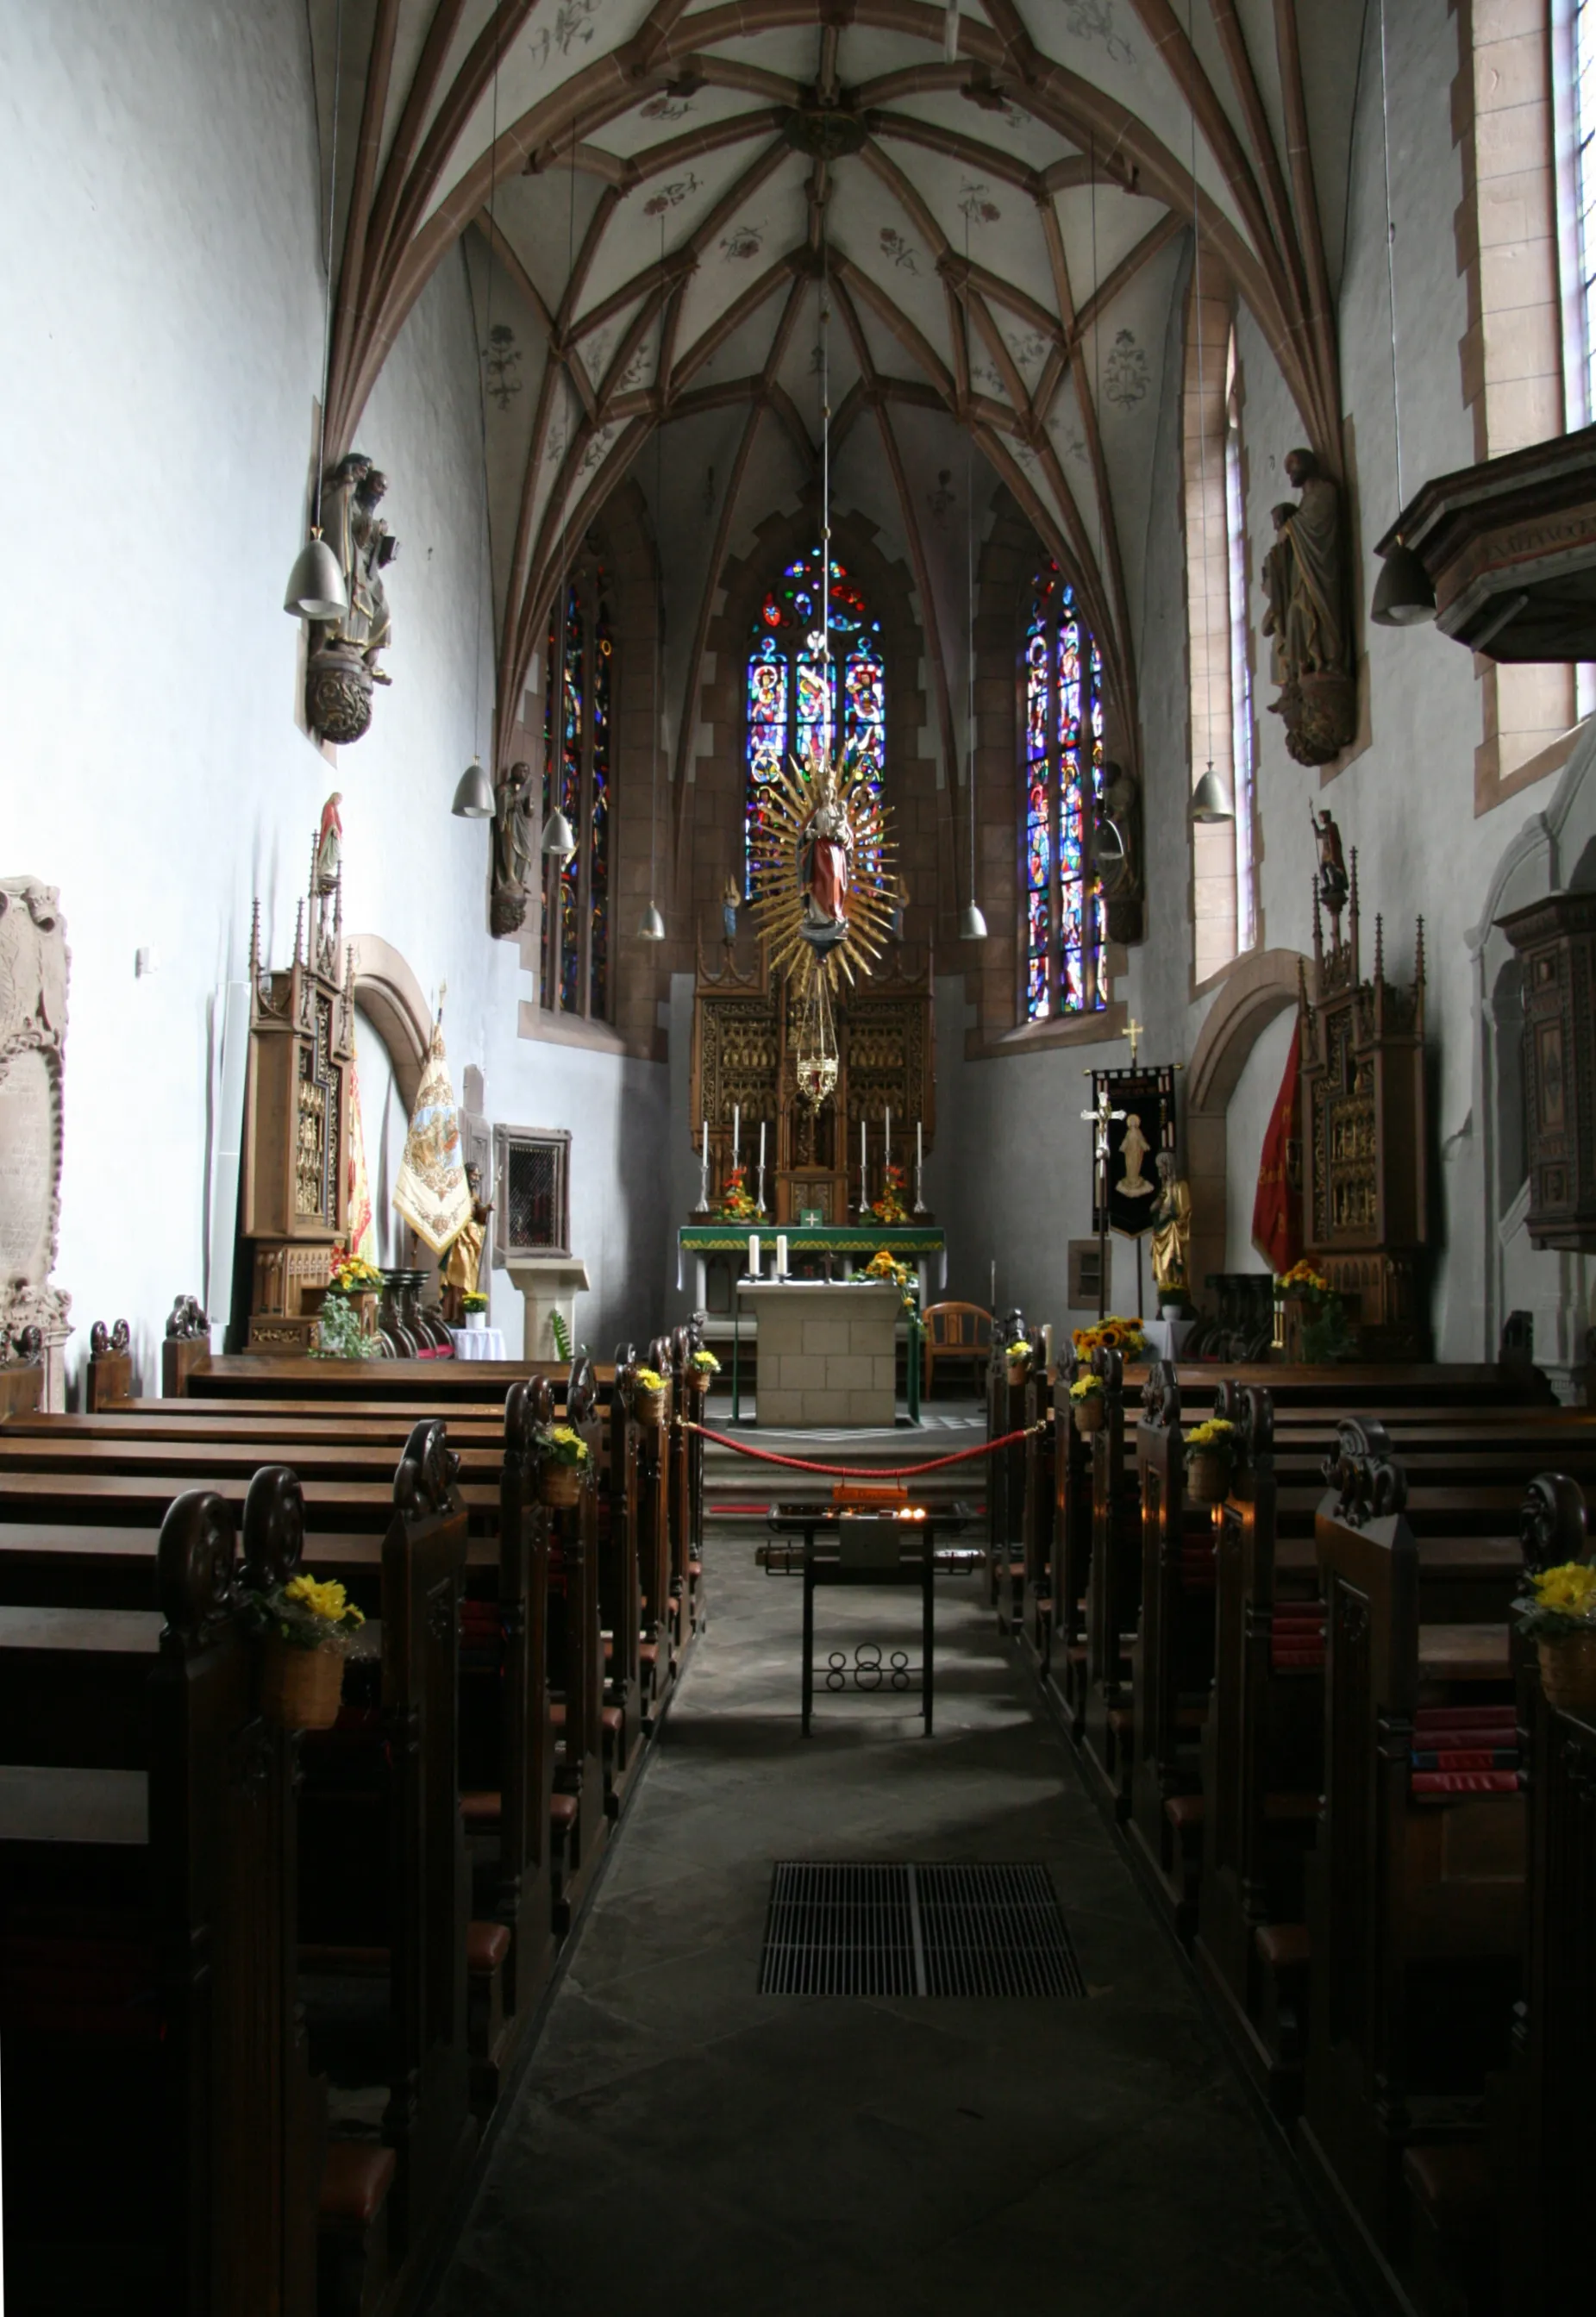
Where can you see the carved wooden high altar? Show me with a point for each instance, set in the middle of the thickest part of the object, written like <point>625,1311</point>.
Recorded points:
<point>746,1045</point>
<point>295,1123</point>
<point>1366,1138</point>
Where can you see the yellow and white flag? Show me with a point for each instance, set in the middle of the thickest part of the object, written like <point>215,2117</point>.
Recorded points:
<point>431,1194</point>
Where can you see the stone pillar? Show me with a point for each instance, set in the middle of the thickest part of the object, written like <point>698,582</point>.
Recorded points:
<point>33,968</point>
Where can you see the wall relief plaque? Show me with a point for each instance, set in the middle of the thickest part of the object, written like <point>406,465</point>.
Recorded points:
<point>33,964</point>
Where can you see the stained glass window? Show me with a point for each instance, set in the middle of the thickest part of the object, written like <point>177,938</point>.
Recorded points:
<point>792,706</point>
<point>1064,775</point>
<point>578,775</point>
<point>1585,178</point>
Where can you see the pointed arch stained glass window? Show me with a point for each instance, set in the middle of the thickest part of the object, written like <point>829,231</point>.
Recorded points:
<point>1062,674</point>
<point>578,775</point>
<point>790,704</point>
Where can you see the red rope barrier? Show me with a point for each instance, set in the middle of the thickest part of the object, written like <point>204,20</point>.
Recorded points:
<point>861,1471</point>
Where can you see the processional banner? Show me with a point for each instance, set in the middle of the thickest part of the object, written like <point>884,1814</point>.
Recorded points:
<point>1144,1101</point>
<point>431,1194</point>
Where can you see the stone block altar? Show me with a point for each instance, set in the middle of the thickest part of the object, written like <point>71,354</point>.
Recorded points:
<point>827,1352</point>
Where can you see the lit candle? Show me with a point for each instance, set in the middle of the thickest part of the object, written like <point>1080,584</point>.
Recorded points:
<point>737,1119</point>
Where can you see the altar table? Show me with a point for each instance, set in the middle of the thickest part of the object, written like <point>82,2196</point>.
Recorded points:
<point>921,1244</point>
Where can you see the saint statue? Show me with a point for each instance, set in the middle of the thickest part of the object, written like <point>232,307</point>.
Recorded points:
<point>514,804</point>
<point>463,1262</point>
<point>364,545</point>
<point>1334,884</point>
<point>1277,588</point>
<point>1134,1148</point>
<point>1171,1233</point>
<point>825,858</point>
<point>1305,580</point>
<point>325,871</point>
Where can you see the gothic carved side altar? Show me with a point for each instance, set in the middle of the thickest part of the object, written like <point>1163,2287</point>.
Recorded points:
<point>296,1109</point>
<point>1367,1134</point>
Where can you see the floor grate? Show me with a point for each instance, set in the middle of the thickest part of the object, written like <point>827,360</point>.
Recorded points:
<point>878,1928</point>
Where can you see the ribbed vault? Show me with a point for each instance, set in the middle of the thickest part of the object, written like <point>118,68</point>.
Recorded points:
<point>996,194</point>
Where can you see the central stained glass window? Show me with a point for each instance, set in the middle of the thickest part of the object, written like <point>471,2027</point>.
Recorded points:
<point>1063,773</point>
<point>788,707</point>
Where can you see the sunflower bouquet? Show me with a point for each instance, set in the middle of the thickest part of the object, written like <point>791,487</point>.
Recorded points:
<point>1324,1335</point>
<point>1114,1334</point>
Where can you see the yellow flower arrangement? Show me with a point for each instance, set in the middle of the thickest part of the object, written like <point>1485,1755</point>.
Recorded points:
<point>1302,1279</point>
<point>309,1613</point>
<point>649,1380</point>
<point>1114,1334</point>
<point>352,1274</point>
<point>1085,1387</point>
<point>1217,1432</point>
<point>705,1362</point>
<point>1018,1350</point>
<point>1560,1602</point>
<point>561,1445</point>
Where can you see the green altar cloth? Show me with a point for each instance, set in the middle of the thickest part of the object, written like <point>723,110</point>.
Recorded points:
<point>915,1243</point>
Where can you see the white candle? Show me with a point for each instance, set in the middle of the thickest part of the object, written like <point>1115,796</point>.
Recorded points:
<point>736,1123</point>
<point>753,1256</point>
<point>887,1140</point>
<point>782,1255</point>
<point>919,1142</point>
<point>762,1148</point>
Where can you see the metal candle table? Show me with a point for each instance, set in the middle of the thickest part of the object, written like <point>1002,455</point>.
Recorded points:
<point>846,1547</point>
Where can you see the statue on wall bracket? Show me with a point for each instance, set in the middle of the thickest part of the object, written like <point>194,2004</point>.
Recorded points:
<point>1116,850</point>
<point>1304,579</point>
<point>343,653</point>
<point>514,804</point>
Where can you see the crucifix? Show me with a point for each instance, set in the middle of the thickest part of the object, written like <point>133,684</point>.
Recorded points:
<point>1135,1031</point>
<point>1101,1117</point>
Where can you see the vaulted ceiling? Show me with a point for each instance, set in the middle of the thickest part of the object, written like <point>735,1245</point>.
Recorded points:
<point>993,195</point>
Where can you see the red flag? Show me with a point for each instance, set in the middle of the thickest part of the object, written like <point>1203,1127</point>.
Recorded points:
<point>1277,1206</point>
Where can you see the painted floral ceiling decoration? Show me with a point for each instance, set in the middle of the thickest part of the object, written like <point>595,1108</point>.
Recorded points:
<point>648,191</point>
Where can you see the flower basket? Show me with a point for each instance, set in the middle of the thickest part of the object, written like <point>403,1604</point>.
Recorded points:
<point>1568,1672</point>
<point>1208,1476</point>
<point>559,1486</point>
<point>1090,1414</point>
<point>1019,1370</point>
<point>649,1408</point>
<point>301,1688</point>
<point>699,1379</point>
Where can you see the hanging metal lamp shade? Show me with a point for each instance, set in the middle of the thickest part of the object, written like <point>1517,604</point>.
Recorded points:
<point>653,928</point>
<point>1404,596</point>
<point>1209,801</point>
<point>972,925</point>
<point>316,585</point>
<point>474,795</point>
<point>558,837</point>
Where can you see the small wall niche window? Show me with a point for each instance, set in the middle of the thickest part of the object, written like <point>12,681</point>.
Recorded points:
<point>578,775</point>
<point>787,686</point>
<point>1063,727</point>
<point>1241,665</point>
<point>531,1191</point>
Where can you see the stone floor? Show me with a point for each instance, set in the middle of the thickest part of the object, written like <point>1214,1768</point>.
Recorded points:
<point>681,2144</point>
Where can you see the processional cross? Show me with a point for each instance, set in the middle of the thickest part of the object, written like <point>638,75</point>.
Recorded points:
<point>1102,1117</point>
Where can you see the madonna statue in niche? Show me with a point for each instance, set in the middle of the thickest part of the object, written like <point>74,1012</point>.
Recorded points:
<point>343,653</point>
<point>1305,580</point>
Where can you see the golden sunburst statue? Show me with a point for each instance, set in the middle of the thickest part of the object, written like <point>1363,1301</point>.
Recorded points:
<point>823,895</point>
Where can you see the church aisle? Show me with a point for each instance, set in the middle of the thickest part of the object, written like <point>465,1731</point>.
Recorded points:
<point>682,2144</point>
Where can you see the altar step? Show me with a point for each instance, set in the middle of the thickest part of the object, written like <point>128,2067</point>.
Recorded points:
<point>742,1487</point>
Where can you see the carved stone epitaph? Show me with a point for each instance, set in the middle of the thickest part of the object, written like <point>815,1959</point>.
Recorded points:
<point>33,968</point>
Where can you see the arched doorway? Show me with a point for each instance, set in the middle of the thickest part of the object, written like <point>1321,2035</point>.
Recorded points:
<point>1251,996</point>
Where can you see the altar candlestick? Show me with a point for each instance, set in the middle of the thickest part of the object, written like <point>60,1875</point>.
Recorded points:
<point>864,1140</point>
<point>762,1158</point>
<point>887,1140</point>
<point>919,1167</point>
<point>736,1122</point>
<point>704,1162</point>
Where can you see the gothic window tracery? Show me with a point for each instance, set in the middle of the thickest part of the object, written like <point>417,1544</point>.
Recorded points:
<point>790,705</point>
<point>1063,728</point>
<point>578,776</point>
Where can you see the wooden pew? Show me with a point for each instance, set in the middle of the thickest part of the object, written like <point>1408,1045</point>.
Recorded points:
<point>1065,1675</point>
<point>22,1378</point>
<point>384,1891</point>
<point>165,2137</point>
<point>1113,1594</point>
<point>1415,1902</point>
<point>1033,1594</point>
<point>109,1377</point>
<point>1005,1471</point>
<point>577,1648</point>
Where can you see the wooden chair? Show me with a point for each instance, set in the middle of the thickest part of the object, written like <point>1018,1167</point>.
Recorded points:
<point>956,1331</point>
